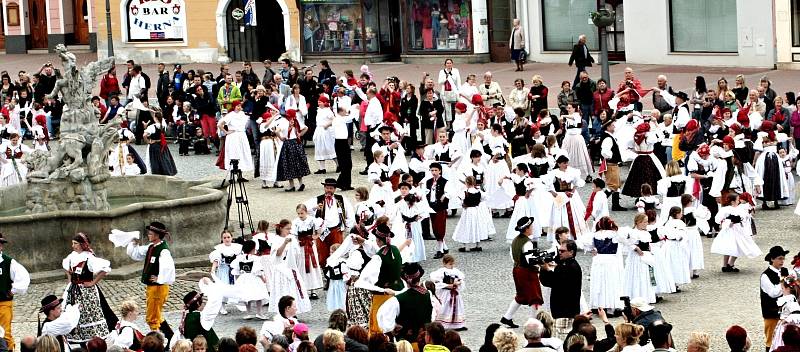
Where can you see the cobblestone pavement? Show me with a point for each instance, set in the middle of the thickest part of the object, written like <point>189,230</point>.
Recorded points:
<point>711,303</point>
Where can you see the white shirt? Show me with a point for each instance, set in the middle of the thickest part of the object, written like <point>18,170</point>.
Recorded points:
<point>20,278</point>
<point>94,264</point>
<point>332,212</point>
<point>123,337</point>
<point>374,114</point>
<point>65,323</point>
<point>773,290</point>
<point>166,265</point>
<point>136,86</point>
<point>339,124</point>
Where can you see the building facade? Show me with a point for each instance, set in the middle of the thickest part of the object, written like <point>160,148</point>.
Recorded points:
<point>787,34</point>
<point>667,32</point>
<point>32,25</point>
<point>337,30</point>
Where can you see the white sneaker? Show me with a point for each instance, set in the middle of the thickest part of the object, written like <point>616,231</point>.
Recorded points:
<point>261,316</point>
<point>241,308</point>
<point>247,317</point>
<point>223,311</point>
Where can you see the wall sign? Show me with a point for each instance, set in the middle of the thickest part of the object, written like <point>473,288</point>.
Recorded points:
<point>156,20</point>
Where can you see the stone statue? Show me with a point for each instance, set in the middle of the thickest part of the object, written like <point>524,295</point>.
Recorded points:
<point>72,175</point>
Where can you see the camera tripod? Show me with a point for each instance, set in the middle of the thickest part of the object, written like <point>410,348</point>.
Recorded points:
<point>238,193</point>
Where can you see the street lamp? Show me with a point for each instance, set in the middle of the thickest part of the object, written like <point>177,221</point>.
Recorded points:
<point>603,18</point>
<point>110,38</point>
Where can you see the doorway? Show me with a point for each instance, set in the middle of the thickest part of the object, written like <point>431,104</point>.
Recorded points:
<point>615,33</point>
<point>500,27</point>
<point>263,41</point>
<point>80,13</point>
<point>390,29</point>
<point>2,32</point>
<point>38,22</point>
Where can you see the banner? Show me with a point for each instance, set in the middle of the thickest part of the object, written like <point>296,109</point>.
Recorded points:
<point>250,13</point>
<point>156,20</point>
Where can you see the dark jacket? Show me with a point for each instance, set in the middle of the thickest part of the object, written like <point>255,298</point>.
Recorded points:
<point>646,319</point>
<point>350,345</point>
<point>579,57</point>
<point>162,87</point>
<point>565,282</point>
<point>408,110</point>
<point>425,107</point>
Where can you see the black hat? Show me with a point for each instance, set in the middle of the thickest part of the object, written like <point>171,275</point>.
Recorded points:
<point>420,144</point>
<point>385,128</point>
<point>49,303</point>
<point>412,271</point>
<point>609,122</point>
<point>329,182</point>
<point>158,228</point>
<point>523,223</point>
<point>192,297</point>
<point>775,252</point>
<point>562,159</point>
<point>3,238</point>
<point>177,66</point>
<point>383,231</point>
<point>403,184</point>
<point>682,95</point>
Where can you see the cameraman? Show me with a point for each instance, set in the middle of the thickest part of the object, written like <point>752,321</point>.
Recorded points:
<point>564,277</point>
<point>642,313</point>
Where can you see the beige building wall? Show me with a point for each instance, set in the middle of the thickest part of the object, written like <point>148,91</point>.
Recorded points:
<point>783,37</point>
<point>205,33</point>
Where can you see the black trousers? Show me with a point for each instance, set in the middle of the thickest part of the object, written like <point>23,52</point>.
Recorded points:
<point>343,155</point>
<point>368,146</point>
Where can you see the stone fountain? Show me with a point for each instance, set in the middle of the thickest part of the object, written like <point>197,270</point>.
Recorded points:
<point>69,189</point>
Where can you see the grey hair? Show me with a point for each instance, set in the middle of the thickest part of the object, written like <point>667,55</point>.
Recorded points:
<point>533,329</point>
<point>115,348</point>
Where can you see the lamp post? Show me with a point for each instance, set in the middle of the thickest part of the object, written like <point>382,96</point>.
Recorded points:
<point>110,38</point>
<point>604,71</point>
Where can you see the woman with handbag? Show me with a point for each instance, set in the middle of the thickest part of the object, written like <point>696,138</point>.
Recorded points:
<point>517,45</point>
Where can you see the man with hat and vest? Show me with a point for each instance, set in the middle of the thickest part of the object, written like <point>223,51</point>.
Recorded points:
<point>405,315</point>
<point>381,275</point>
<point>439,201</point>
<point>158,273</point>
<point>337,215</point>
<point>525,273</point>
<point>609,150</point>
<point>14,280</point>
<point>59,320</point>
<point>770,288</point>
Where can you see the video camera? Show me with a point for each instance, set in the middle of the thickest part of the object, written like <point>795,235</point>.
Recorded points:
<point>627,311</point>
<point>539,257</point>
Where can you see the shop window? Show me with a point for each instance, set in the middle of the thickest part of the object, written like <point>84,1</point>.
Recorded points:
<point>439,25</point>
<point>564,21</point>
<point>795,22</point>
<point>340,26</point>
<point>703,26</point>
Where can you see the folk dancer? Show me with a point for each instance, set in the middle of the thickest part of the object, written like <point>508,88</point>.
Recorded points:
<point>337,215</point>
<point>14,280</point>
<point>158,273</point>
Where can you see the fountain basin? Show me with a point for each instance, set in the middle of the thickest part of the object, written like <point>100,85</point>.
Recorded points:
<point>193,211</point>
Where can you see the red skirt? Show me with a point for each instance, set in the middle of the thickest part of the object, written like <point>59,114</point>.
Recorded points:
<point>529,290</point>
<point>221,158</point>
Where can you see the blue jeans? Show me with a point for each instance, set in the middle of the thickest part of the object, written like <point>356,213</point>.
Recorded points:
<point>586,110</point>
<point>668,151</point>
<point>50,127</point>
<point>578,70</point>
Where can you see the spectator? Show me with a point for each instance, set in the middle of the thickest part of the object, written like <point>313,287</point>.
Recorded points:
<point>517,45</point>
<point>325,73</point>
<point>627,336</point>
<point>698,342</point>
<point>248,75</point>
<point>162,85</point>
<point>435,338</point>
<point>505,340</point>
<point>49,343</point>
<point>137,87</point>
<point>532,330</point>
<point>199,344</point>
<point>246,335</point>
<point>791,339</point>
<point>227,344</point>
<point>182,345</point>
<point>404,346</point>
<point>488,345</point>
<point>737,338</point>
<point>645,315</point>
<point>333,341</point>
<point>452,340</point>
<point>490,90</point>
<point>153,342</point>
<point>566,97</point>
<point>27,344</point>
<point>660,337</point>
<point>548,322</point>
<point>269,74</point>
<point>356,339</point>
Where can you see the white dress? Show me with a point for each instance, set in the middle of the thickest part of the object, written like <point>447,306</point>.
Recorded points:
<point>735,236</point>
<point>236,144</point>
<point>224,256</point>
<point>452,313</point>
<point>567,204</point>
<point>475,223</point>
<point>677,254</point>
<point>694,244</point>
<point>607,272</point>
<point>406,225</point>
<point>521,185</point>
<point>285,279</point>
<point>665,282</point>
<point>13,170</point>
<point>381,194</point>
<point>462,130</point>
<point>250,278</point>
<point>323,137</point>
<point>308,261</point>
<point>639,275</point>
<point>498,197</point>
<point>264,253</point>
<point>575,146</point>
<point>269,151</point>
<point>671,189</point>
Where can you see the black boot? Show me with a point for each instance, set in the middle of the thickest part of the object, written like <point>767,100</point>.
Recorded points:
<point>167,331</point>
<point>615,202</point>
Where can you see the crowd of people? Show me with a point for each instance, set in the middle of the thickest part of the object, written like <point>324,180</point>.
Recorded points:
<point>451,146</point>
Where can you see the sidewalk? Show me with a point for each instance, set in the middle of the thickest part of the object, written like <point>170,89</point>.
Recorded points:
<point>680,77</point>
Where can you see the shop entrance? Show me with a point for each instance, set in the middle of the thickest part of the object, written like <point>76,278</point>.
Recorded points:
<point>390,29</point>
<point>81,14</point>
<point>263,41</point>
<point>38,22</point>
<point>500,27</point>
<point>2,32</point>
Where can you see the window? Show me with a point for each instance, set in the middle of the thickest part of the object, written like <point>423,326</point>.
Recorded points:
<point>439,25</point>
<point>795,22</point>
<point>564,21</point>
<point>704,26</point>
<point>339,26</point>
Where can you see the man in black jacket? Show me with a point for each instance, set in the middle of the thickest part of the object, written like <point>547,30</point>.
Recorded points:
<point>564,279</point>
<point>162,85</point>
<point>581,57</point>
<point>645,315</point>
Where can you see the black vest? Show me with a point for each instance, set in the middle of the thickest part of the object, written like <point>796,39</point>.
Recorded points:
<point>769,305</point>
<point>5,279</point>
<point>616,157</point>
<point>436,205</point>
<point>676,189</point>
<point>472,199</point>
